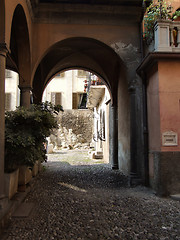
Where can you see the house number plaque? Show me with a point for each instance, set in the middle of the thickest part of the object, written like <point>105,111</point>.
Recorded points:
<point>169,139</point>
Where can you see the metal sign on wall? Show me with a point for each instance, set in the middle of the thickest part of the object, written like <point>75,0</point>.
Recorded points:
<point>169,138</point>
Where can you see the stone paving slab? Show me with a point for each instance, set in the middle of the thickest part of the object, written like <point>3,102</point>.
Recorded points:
<point>176,197</point>
<point>23,210</point>
<point>76,199</point>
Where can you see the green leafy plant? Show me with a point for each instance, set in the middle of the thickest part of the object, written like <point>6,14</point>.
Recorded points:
<point>176,15</point>
<point>155,11</point>
<point>25,134</point>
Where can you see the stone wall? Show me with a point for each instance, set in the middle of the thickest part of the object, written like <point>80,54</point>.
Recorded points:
<point>75,130</point>
<point>166,178</point>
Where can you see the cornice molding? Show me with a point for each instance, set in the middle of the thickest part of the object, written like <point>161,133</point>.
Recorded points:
<point>153,58</point>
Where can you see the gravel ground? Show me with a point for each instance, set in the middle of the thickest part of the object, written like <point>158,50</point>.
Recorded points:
<point>77,198</point>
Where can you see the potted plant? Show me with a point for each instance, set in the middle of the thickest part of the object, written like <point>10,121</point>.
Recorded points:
<point>156,11</point>
<point>176,16</point>
<point>11,183</point>
<point>25,134</point>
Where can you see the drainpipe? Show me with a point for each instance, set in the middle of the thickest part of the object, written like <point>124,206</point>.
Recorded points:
<point>145,132</point>
<point>145,122</point>
<point>133,135</point>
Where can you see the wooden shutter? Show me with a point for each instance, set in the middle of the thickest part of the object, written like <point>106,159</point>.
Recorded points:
<point>75,101</point>
<point>58,98</point>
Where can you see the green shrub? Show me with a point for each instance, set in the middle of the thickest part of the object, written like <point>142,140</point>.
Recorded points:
<point>25,134</point>
<point>155,11</point>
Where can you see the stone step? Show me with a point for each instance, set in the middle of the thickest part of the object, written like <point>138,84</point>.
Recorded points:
<point>175,197</point>
<point>97,155</point>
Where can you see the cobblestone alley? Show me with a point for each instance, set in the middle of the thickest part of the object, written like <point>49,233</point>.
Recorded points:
<point>77,198</point>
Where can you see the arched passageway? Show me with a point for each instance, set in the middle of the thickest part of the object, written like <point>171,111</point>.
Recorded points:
<point>84,53</point>
<point>3,52</point>
<point>94,56</point>
<point>19,58</point>
<point>84,124</point>
<point>2,21</point>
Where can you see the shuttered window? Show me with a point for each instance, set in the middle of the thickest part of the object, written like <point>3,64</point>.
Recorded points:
<point>75,101</point>
<point>56,98</point>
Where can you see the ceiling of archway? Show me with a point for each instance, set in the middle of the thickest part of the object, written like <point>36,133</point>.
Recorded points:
<point>65,11</point>
<point>79,53</point>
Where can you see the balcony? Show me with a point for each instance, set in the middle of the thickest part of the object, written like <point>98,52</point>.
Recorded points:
<point>166,37</point>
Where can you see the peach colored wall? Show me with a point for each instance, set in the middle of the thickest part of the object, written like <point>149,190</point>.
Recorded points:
<point>2,21</point>
<point>175,4</point>
<point>169,94</point>
<point>153,111</point>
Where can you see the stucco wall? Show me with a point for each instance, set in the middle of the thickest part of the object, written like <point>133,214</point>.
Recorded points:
<point>163,94</point>
<point>169,94</point>
<point>153,110</point>
<point>45,35</point>
<point>123,126</point>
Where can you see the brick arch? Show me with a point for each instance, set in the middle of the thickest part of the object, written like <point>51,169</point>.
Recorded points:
<point>20,57</point>
<point>78,53</point>
<point>2,21</point>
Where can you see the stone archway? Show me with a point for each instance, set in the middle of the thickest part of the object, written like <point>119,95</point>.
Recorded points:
<point>88,54</point>
<point>85,53</point>
<point>19,58</point>
<point>2,21</point>
<point>3,52</point>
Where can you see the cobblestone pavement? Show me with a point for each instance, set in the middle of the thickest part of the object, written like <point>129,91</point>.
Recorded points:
<point>75,198</point>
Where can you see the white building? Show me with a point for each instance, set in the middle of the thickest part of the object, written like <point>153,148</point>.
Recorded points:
<point>99,99</point>
<point>12,92</point>
<point>67,89</point>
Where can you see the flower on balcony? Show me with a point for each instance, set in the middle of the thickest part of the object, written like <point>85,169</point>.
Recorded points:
<point>176,15</point>
<point>155,11</point>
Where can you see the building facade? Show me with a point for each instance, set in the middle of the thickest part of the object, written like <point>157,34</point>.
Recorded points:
<point>39,39</point>
<point>12,92</point>
<point>67,89</point>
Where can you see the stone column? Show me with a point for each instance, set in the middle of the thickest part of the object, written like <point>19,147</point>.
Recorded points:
<point>3,52</point>
<point>113,137</point>
<point>133,135</point>
<point>25,96</point>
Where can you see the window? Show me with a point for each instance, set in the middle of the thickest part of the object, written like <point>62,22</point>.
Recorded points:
<point>75,101</point>
<point>102,126</point>
<point>56,98</point>
<point>7,101</point>
<point>81,73</point>
<point>79,100</point>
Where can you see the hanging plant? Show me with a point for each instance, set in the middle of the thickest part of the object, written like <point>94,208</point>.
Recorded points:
<point>155,11</point>
<point>176,15</point>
